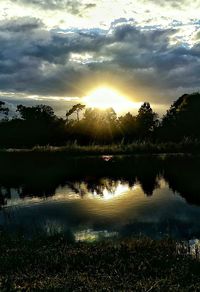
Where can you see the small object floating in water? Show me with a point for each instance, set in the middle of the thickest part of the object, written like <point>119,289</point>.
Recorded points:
<point>107,157</point>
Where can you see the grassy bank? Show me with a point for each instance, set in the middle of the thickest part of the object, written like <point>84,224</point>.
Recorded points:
<point>53,264</point>
<point>186,146</point>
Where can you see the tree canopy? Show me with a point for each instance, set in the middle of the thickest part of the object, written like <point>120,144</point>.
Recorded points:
<point>182,119</point>
<point>38,125</point>
<point>3,109</point>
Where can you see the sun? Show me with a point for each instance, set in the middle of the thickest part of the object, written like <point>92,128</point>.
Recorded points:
<point>104,97</point>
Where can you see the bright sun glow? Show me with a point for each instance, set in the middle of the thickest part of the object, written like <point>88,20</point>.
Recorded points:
<point>119,191</point>
<point>103,98</point>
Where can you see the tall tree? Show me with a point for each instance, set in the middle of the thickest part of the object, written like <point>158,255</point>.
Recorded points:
<point>100,125</point>
<point>4,110</point>
<point>147,120</point>
<point>37,125</point>
<point>183,118</point>
<point>127,125</point>
<point>76,108</point>
<point>36,113</point>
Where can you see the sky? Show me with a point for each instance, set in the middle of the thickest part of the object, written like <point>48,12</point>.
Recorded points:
<point>56,51</point>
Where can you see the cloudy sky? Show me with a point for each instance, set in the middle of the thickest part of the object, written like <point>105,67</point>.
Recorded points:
<point>56,51</point>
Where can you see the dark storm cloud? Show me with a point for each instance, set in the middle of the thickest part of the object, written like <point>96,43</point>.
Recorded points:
<point>150,60</point>
<point>57,50</point>
<point>20,24</point>
<point>75,7</point>
<point>35,60</point>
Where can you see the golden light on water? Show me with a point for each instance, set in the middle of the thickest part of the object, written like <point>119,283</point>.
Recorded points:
<point>91,235</point>
<point>119,190</point>
<point>105,97</point>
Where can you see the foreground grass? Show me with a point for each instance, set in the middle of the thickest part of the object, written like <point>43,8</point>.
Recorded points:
<point>53,264</point>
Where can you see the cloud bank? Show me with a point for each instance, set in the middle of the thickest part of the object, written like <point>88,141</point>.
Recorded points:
<point>145,60</point>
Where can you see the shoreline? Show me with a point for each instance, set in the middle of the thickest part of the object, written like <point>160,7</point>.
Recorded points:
<point>114,149</point>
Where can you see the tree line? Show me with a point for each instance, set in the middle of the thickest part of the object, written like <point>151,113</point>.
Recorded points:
<point>38,125</point>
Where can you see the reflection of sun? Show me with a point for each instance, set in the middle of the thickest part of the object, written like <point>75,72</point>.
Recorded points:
<point>103,98</point>
<point>118,191</point>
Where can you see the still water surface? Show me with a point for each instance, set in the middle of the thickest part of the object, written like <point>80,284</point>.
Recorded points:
<point>97,197</point>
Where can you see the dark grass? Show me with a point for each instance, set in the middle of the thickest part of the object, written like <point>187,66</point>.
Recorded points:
<point>138,147</point>
<point>55,264</point>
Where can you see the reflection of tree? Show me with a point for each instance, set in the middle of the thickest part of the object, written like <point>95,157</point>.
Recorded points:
<point>5,193</point>
<point>182,175</point>
<point>149,182</point>
<point>95,186</point>
<point>3,201</point>
<point>149,185</point>
<point>147,171</point>
<point>40,175</point>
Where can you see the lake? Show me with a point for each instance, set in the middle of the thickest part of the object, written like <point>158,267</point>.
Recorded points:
<point>104,196</point>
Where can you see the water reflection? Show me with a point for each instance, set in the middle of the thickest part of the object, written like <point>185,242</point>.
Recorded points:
<point>150,195</point>
<point>105,189</point>
<point>91,235</point>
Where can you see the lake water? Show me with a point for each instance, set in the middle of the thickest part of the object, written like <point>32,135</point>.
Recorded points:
<point>105,196</point>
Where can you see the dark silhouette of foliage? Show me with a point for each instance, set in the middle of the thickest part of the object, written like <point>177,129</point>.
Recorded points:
<point>128,126</point>
<point>3,109</point>
<point>33,174</point>
<point>146,120</point>
<point>38,125</point>
<point>95,126</point>
<point>76,108</point>
<point>182,119</point>
<point>43,113</point>
<point>102,125</point>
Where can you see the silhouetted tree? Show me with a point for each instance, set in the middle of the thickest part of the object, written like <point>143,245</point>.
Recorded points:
<point>41,112</point>
<point>76,108</point>
<point>128,124</point>
<point>38,125</point>
<point>100,125</point>
<point>147,120</point>
<point>106,116</point>
<point>4,110</point>
<point>182,119</point>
